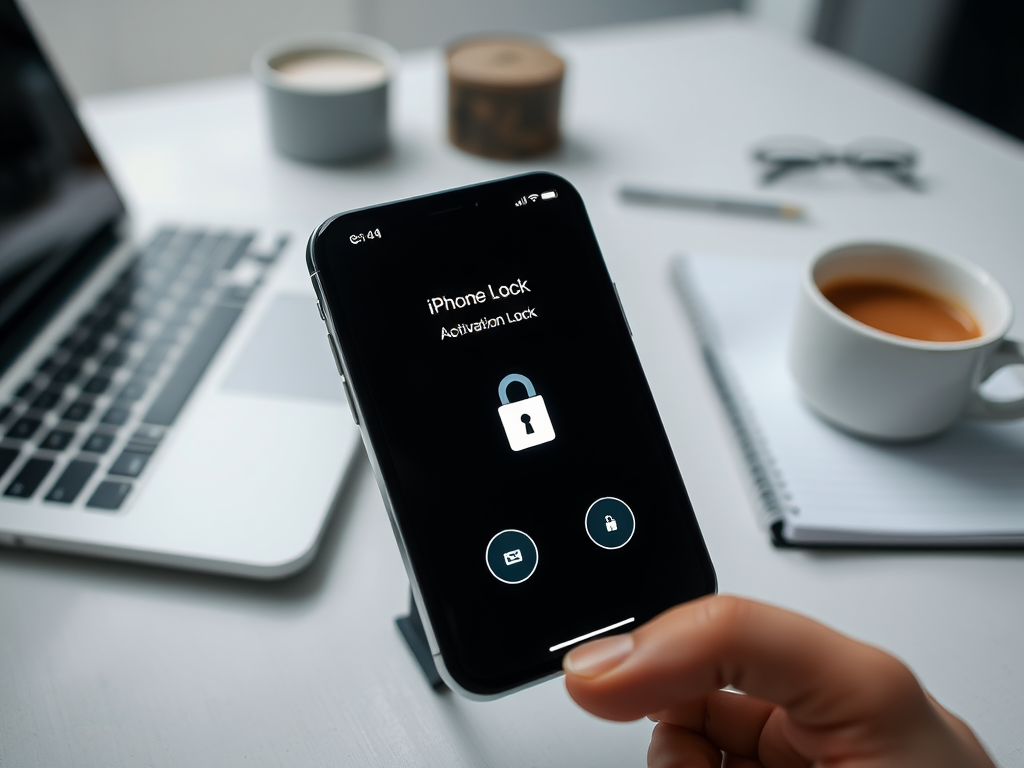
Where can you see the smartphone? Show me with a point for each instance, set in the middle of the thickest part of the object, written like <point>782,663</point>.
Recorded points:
<point>491,370</point>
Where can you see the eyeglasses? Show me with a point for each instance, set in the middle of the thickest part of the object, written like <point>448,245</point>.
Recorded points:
<point>783,155</point>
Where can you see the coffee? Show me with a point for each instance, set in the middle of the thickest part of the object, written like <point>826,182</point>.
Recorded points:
<point>902,310</point>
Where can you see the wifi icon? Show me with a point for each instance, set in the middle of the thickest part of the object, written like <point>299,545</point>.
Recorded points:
<point>533,198</point>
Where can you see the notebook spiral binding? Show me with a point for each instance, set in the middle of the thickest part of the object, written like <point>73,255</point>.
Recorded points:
<point>774,500</point>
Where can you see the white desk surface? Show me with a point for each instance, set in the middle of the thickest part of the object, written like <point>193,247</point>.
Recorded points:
<point>109,664</point>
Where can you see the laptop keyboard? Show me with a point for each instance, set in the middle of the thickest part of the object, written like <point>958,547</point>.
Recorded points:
<point>87,423</point>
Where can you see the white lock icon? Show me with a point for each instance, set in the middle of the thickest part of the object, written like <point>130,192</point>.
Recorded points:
<point>526,422</point>
<point>610,524</point>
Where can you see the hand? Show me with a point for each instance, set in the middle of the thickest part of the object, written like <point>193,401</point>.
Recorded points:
<point>812,696</point>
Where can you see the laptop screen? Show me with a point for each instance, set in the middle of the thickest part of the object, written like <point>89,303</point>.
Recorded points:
<point>55,198</point>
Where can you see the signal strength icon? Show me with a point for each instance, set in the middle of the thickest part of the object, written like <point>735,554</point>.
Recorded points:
<point>527,199</point>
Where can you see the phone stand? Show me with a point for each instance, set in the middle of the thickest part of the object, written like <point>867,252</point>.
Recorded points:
<point>411,627</point>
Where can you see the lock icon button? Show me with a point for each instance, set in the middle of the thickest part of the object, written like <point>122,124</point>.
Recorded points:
<point>610,523</point>
<point>526,422</point>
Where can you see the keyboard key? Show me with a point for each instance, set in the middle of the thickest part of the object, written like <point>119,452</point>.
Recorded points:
<point>238,251</point>
<point>160,240</point>
<point>68,372</point>
<point>116,415</point>
<point>191,365</point>
<point>26,391</point>
<point>109,495</point>
<point>133,390</point>
<point>46,400</point>
<point>269,257</point>
<point>29,478</point>
<point>100,310</point>
<point>7,457</point>
<point>116,358</point>
<point>149,366</point>
<point>90,320</point>
<point>236,294</point>
<point>145,300</point>
<point>98,442</point>
<point>71,340</point>
<point>148,434</point>
<point>23,428</point>
<point>76,474</point>
<point>89,347</point>
<point>5,411</point>
<point>97,385</point>
<point>146,448</point>
<point>48,366</point>
<point>138,330</point>
<point>77,411</point>
<point>129,464</point>
<point>100,327</point>
<point>57,440</point>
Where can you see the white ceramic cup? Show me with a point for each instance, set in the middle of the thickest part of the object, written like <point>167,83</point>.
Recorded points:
<point>327,98</point>
<point>887,387</point>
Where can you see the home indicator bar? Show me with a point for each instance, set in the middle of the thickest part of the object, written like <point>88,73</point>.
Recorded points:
<point>589,635</point>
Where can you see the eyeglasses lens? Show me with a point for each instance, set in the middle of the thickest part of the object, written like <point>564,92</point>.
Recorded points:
<point>784,154</point>
<point>881,155</point>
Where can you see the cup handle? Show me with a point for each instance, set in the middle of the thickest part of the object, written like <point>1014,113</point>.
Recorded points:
<point>1009,352</point>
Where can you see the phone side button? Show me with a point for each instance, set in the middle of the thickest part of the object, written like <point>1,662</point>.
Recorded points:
<point>334,352</point>
<point>320,307</point>
<point>351,402</point>
<point>621,308</point>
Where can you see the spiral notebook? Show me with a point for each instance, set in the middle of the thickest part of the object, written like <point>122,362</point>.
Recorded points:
<point>817,486</point>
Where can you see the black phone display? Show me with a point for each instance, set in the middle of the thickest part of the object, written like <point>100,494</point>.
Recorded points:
<point>530,482</point>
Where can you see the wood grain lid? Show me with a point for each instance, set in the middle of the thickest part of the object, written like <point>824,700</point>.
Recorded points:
<point>503,62</point>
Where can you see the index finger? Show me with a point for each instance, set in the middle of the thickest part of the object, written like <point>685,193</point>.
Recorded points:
<point>820,677</point>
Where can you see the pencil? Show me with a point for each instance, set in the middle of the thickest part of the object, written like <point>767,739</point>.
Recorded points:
<point>708,203</point>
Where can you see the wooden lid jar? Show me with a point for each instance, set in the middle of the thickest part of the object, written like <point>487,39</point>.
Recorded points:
<point>504,95</point>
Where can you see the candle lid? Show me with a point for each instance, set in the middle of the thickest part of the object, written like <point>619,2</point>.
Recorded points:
<point>330,69</point>
<point>503,62</point>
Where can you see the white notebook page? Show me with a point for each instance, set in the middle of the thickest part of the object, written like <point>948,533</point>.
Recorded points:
<point>965,486</point>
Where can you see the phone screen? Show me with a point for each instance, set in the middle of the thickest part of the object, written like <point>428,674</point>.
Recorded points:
<point>509,419</point>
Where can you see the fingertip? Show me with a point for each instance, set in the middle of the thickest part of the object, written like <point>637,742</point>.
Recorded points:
<point>599,657</point>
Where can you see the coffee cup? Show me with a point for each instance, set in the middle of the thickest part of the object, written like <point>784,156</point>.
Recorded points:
<point>932,330</point>
<point>327,98</point>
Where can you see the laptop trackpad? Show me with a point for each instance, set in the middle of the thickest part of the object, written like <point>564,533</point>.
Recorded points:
<point>287,354</point>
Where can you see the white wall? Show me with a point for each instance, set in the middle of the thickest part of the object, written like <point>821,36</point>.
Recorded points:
<point>104,45</point>
<point>794,19</point>
<point>417,23</point>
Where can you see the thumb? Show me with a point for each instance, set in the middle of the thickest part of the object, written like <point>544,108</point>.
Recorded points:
<point>821,678</point>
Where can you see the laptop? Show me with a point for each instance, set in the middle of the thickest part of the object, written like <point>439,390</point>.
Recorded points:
<point>167,398</point>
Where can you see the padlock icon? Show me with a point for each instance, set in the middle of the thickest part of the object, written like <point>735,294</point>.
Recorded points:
<point>526,422</point>
<point>610,524</point>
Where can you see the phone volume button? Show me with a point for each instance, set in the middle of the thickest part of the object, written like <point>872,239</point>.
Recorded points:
<point>320,307</point>
<point>334,353</point>
<point>351,402</point>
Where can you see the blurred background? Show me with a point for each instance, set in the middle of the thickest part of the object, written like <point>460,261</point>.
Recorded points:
<point>969,53</point>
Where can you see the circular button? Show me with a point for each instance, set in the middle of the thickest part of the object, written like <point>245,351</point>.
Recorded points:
<point>610,523</point>
<point>511,556</point>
